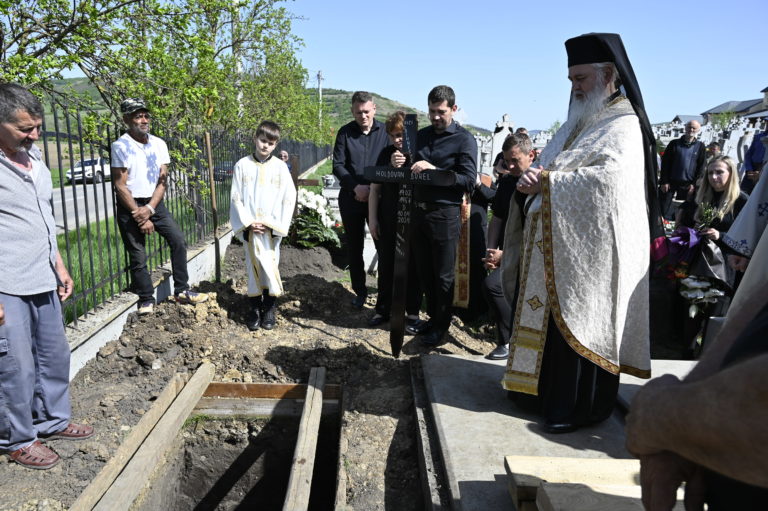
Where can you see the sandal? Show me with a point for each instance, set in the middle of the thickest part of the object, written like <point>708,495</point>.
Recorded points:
<point>36,456</point>
<point>72,432</point>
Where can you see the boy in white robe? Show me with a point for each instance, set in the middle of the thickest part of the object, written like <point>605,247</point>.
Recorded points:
<point>262,201</point>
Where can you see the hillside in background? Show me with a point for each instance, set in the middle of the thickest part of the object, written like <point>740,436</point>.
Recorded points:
<point>335,104</point>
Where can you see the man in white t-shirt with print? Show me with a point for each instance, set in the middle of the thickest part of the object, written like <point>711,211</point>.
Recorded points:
<point>139,174</point>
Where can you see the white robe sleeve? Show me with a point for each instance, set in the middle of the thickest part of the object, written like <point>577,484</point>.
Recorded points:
<point>239,214</point>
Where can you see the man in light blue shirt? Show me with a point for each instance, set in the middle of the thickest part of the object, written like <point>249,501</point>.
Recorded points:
<point>34,353</point>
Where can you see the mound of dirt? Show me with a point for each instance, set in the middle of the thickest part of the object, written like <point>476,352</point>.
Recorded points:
<point>316,327</point>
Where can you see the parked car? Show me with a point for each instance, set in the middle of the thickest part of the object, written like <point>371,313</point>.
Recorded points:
<point>94,170</point>
<point>223,171</point>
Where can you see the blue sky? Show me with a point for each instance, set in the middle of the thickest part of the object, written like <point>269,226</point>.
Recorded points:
<point>504,56</point>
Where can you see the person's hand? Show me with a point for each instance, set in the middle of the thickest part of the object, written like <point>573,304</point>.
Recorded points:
<point>710,233</point>
<point>421,166</point>
<point>662,474</point>
<point>397,159</point>
<point>2,314</point>
<point>147,227</point>
<point>492,258</point>
<point>754,175</point>
<point>500,169</point>
<point>664,188</point>
<point>361,193</point>
<point>257,228</point>
<point>690,191</point>
<point>738,262</point>
<point>67,284</point>
<point>529,183</point>
<point>141,214</point>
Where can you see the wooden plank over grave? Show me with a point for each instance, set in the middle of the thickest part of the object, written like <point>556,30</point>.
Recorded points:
<point>300,481</point>
<point>130,485</point>
<point>109,472</point>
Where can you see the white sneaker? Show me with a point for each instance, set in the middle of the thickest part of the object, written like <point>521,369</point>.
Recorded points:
<point>146,308</point>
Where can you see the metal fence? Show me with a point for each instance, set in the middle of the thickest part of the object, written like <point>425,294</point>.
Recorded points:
<point>84,202</point>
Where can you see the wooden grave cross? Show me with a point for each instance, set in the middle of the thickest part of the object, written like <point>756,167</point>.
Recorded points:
<point>406,180</point>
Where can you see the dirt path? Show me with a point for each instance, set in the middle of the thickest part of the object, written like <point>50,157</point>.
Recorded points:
<point>316,327</point>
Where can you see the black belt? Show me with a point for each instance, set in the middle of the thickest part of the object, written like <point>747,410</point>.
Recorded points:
<point>433,206</point>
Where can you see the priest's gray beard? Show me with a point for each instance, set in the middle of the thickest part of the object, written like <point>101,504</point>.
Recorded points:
<point>582,110</point>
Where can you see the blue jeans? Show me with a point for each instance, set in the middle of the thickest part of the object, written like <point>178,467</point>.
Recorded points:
<point>34,369</point>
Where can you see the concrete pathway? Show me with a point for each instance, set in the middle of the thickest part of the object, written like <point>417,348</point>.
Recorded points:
<point>477,426</point>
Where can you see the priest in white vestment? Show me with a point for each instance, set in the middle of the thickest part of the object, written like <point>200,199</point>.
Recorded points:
<point>582,257</point>
<point>263,198</point>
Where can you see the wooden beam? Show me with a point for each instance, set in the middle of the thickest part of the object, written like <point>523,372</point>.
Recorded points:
<point>257,407</point>
<point>131,483</point>
<point>582,497</point>
<point>526,473</point>
<point>300,481</point>
<point>340,501</point>
<point>267,390</point>
<point>109,472</point>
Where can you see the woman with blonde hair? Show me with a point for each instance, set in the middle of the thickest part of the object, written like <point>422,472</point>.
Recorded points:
<point>718,201</point>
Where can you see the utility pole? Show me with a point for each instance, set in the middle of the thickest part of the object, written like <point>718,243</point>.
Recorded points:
<point>320,95</point>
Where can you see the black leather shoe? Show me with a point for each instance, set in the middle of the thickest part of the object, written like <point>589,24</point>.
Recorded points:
<point>557,428</point>
<point>418,327</point>
<point>433,338</point>
<point>358,301</point>
<point>254,320</point>
<point>377,319</point>
<point>499,353</point>
<point>269,319</point>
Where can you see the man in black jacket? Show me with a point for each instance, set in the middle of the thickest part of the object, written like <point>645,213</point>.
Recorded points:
<point>681,166</point>
<point>447,147</point>
<point>357,146</point>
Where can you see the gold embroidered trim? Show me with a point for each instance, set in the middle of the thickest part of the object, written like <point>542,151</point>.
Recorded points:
<point>534,302</point>
<point>461,265</point>
<point>549,270</point>
<point>524,385</point>
<point>526,336</point>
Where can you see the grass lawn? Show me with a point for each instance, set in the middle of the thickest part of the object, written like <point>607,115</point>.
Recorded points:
<point>324,169</point>
<point>97,261</point>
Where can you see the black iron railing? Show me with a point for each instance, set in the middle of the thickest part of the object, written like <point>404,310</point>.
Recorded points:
<point>84,202</point>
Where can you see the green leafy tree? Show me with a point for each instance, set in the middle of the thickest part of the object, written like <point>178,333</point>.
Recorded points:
<point>201,64</point>
<point>721,121</point>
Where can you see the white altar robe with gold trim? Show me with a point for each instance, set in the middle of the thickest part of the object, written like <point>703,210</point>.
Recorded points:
<point>262,193</point>
<point>583,253</point>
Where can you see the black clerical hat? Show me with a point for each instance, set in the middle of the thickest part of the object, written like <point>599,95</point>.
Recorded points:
<point>590,49</point>
<point>594,48</point>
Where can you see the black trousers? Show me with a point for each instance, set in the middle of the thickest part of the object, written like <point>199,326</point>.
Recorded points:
<point>135,243</point>
<point>677,190</point>
<point>386,251</point>
<point>500,309</point>
<point>433,241</point>
<point>354,215</point>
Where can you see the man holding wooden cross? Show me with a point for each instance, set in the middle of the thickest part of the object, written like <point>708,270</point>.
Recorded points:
<point>443,146</point>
